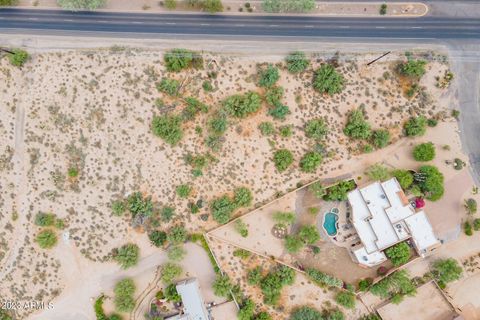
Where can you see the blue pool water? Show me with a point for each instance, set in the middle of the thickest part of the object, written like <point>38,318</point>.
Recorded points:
<point>330,223</point>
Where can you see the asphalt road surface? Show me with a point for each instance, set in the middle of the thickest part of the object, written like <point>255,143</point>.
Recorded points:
<point>129,24</point>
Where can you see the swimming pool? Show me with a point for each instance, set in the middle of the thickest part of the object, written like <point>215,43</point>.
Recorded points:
<point>330,223</point>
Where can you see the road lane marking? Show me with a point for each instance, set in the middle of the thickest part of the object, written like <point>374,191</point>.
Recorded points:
<point>273,25</point>
<point>170,23</point>
<point>379,27</point>
<point>204,24</point>
<point>68,20</point>
<point>308,26</point>
<point>344,27</point>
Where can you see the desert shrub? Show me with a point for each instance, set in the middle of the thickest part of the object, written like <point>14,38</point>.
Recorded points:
<point>398,254</point>
<point>72,172</point>
<point>430,180</point>
<point>169,272</point>
<point>242,197</point>
<point>364,284</point>
<point>446,270</point>
<point>7,3</point>
<point>286,218</point>
<point>404,178</point>
<point>357,127</point>
<point>295,6</point>
<point>263,316</point>
<point>476,224</point>
<point>297,62</point>
<point>383,9</point>
<point>279,111</point>
<point>193,107</point>
<point>397,284</point>
<point>266,128</point>
<point>272,284</point>
<point>378,172</point>
<point>316,129</point>
<point>168,86</point>
<point>75,5</point>
<point>424,152</point>
<point>183,190</point>
<point>247,310</point>
<point>338,192</point>
<point>179,59</point>
<point>415,126</point>
<point>207,86</point>
<point>218,124</point>
<point>306,313</point>
<point>222,208</point>
<point>282,159</point>
<point>241,228</point>
<point>327,80</point>
<point>310,161</point>
<point>309,234</point>
<point>212,6</point>
<point>323,279</point>
<point>43,219</point>
<point>118,207</point>
<point>268,76</point>
<point>412,68</point>
<point>171,4</point>
<point>471,206</point>
<point>176,253</point>
<point>157,238</point>
<point>124,300</point>
<point>241,253</point>
<point>177,235</point>
<point>345,299</point>
<point>285,131</point>
<point>273,95</point>
<point>254,276</point>
<point>168,127</point>
<point>46,239</point>
<point>127,255</point>
<point>371,316</point>
<point>241,106</point>
<point>317,189</point>
<point>380,138</point>
<point>467,228</point>
<point>171,293</point>
<point>138,205</point>
<point>222,286</point>
<point>293,243</point>
<point>167,213</point>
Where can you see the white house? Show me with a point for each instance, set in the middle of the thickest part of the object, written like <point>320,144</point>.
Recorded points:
<point>193,304</point>
<point>382,217</point>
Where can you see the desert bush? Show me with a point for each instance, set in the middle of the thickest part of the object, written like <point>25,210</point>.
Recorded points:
<point>241,227</point>
<point>177,235</point>
<point>310,161</point>
<point>124,300</point>
<point>75,5</point>
<point>297,62</point>
<point>241,106</point>
<point>242,253</point>
<point>168,86</point>
<point>168,127</point>
<point>345,299</point>
<point>19,57</point>
<point>285,131</point>
<point>412,68</point>
<point>118,207</point>
<point>424,152</point>
<point>317,189</point>
<point>397,285</point>
<point>7,3</point>
<point>446,270</point>
<point>294,6</point>
<point>306,313</point>
<point>383,9</point>
<point>476,224</point>
<point>212,6</point>
<point>169,272</point>
<point>327,80</point>
<point>254,276</point>
<point>218,124</point>
<point>183,190</point>
<point>399,254</point>
<point>272,284</point>
<point>293,243</point>
<point>242,197</point>
<point>268,77</point>
<point>222,286</point>
<point>357,127</point>
<point>323,279</point>
<point>338,192</point>
<point>471,206</point>
<point>127,255</point>
<point>222,208</point>
<point>309,234</point>
<point>282,159</point>
<point>467,228</point>
<point>179,59</point>
<point>43,219</point>
<point>380,138</point>
<point>273,95</point>
<point>176,253</point>
<point>171,293</point>
<point>286,218</point>
<point>279,111</point>
<point>193,107</point>
<point>266,128</point>
<point>170,4</point>
<point>415,126</point>
<point>364,284</point>
<point>46,239</point>
<point>138,205</point>
<point>430,180</point>
<point>167,213</point>
<point>404,178</point>
<point>378,172</point>
<point>157,238</point>
<point>316,129</point>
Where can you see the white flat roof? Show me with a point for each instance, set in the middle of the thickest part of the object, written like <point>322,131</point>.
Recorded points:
<point>360,213</point>
<point>192,300</point>
<point>398,209</point>
<point>422,232</point>
<point>369,259</point>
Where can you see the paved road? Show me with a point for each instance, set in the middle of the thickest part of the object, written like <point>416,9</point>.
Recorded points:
<point>130,24</point>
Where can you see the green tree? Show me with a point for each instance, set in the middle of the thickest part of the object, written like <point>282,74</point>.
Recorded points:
<point>364,284</point>
<point>412,68</point>
<point>338,192</point>
<point>398,285</point>
<point>323,279</point>
<point>43,219</point>
<point>19,57</point>
<point>404,178</point>
<point>272,284</point>
<point>266,128</point>
<point>399,254</point>
<point>446,270</point>
<point>177,235</point>
<point>241,106</point>
<point>127,255</point>
<point>306,313</point>
<point>46,239</point>
<point>171,293</point>
<point>171,4</point>
<point>430,181</point>
<point>471,206</point>
<point>212,6</point>
<point>297,62</point>
<point>168,86</point>
<point>138,205</point>
<point>345,299</point>
<point>254,276</point>
<point>263,316</point>
<point>273,95</point>
<point>467,228</point>
<point>242,197</point>
<point>75,5</point>
<point>268,77</point>
<point>176,253</point>
<point>183,190</point>
<point>241,227</point>
<point>310,161</point>
<point>383,9</point>
<point>317,189</point>
<point>357,127</point>
<point>309,234</point>
<point>124,300</point>
<point>415,126</point>
<point>327,80</point>
<point>168,127</point>
<point>293,243</point>
<point>424,152</point>
<point>282,159</point>
<point>316,129</point>
<point>222,208</point>
<point>222,286</point>
<point>247,310</point>
<point>179,59</point>
<point>377,172</point>
<point>169,272</point>
<point>279,111</point>
<point>157,238</point>
<point>380,138</point>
